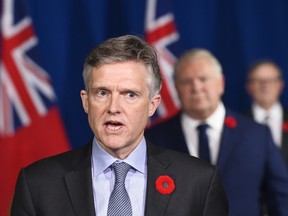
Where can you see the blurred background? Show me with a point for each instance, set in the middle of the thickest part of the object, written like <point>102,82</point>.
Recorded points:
<point>237,32</point>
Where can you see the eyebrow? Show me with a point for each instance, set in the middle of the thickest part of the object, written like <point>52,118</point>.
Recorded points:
<point>131,89</point>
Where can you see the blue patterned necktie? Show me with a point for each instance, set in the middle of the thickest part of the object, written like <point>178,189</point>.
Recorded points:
<point>119,201</point>
<point>204,152</point>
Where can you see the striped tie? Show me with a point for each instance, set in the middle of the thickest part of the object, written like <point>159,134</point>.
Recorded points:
<point>119,201</point>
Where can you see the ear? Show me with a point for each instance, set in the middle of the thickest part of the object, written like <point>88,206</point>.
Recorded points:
<point>248,87</point>
<point>84,98</point>
<point>154,103</point>
<point>222,84</point>
<point>282,85</point>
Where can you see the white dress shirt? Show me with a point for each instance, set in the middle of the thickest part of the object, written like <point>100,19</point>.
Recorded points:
<point>214,131</point>
<point>274,121</point>
<point>104,179</point>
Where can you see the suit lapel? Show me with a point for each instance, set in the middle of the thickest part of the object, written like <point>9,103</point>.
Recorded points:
<point>156,203</point>
<point>226,146</point>
<point>79,184</point>
<point>284,144</point>
<point>178,135</point>
<point>80,189</point>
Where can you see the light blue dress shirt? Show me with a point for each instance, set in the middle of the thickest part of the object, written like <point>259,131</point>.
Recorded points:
<point>103,178</point>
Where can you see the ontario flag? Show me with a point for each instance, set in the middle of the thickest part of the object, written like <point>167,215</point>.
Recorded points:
<point>161,32</point>
<point>30,123</point>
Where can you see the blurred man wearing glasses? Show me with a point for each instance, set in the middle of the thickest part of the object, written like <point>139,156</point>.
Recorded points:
<point>265,85</point>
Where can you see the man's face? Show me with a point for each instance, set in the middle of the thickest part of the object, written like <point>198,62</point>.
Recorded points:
<point>118,106</point>
<point>199,87</point>
<point>265,85</point>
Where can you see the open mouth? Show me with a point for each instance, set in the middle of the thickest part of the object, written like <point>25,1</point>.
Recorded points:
<point>113,125</point>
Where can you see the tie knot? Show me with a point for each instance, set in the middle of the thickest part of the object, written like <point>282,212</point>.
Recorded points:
<point>202,127</point>
<point>266,119</point>
<point>121,170</point>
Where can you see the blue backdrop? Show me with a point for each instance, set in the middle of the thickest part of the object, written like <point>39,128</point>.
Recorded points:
<point>236,31</point>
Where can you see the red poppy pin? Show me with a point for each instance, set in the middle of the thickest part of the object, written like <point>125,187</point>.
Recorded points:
<point>165,184</point>
<point>285,126</point>
<point>230,122</point>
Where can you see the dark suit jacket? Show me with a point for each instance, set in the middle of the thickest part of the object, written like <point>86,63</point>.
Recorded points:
<point>61,185</point>
<point>248,160</point>
<point>284,141</point>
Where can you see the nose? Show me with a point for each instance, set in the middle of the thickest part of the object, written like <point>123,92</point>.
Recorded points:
<point>114,106</point>
<point>196,85</point>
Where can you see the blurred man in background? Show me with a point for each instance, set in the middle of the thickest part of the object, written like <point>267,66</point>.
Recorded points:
<point>242,149</point>
<point>265,85</point>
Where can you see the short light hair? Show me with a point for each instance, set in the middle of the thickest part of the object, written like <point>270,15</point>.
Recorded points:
<point>198,53</point>
<point>123,49</point>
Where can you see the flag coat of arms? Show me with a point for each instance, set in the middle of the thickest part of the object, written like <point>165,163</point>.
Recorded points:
<point>30,123</point>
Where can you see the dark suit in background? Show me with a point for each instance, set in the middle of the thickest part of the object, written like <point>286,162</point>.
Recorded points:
<point>248,161</point>
<point>284,141</point>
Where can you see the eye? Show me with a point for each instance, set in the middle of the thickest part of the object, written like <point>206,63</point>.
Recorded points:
<point>204,79</point>
<point>185,82</point>
<point>131,94</point>
<point>101,93</point>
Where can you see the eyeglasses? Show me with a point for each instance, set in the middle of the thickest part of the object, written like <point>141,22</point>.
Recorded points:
<point>269,81</point>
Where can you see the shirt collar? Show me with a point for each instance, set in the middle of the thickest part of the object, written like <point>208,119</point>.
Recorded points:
<point>261,113</point>
<point>101,160</point>
<point>215,120</point>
